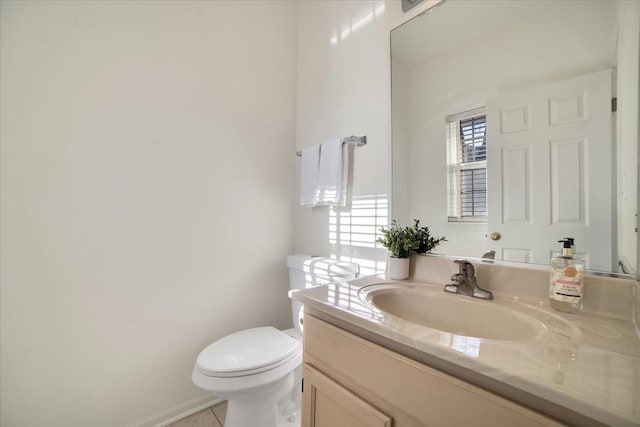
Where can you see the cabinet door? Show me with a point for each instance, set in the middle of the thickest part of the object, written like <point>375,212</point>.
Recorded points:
<point>326,403</point>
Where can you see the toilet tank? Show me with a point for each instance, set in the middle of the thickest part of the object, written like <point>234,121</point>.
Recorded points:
<point>306,271</point>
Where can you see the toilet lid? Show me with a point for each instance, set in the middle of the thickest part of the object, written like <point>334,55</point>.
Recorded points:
<point>247,352</point>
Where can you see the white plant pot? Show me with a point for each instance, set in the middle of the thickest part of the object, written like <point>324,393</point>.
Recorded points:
<point>398,268</point>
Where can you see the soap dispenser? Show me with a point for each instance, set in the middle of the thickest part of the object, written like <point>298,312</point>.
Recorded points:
<point>567,273</point>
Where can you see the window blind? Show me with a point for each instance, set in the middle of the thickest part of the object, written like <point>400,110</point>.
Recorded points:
<point>467,166</point>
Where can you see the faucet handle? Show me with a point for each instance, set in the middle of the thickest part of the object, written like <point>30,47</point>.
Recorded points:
<point>466,268</point>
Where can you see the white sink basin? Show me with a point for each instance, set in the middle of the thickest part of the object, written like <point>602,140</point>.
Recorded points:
<point>455,314</point>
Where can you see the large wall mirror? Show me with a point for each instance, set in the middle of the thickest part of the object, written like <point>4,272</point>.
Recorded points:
<point>515,124</point>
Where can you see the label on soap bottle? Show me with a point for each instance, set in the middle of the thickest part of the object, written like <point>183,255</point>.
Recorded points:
<point>566,285</point>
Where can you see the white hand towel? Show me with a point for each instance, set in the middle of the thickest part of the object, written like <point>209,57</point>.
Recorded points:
<point>344,180</point>
<point>330,174</point>
<point>309,175</point>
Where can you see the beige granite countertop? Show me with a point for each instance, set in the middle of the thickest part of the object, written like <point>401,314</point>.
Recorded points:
<point>582,364</point>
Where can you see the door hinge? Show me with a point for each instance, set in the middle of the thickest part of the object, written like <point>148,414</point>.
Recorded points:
<point>614,105</point>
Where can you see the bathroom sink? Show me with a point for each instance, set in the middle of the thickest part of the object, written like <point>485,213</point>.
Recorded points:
<point>459,315</point>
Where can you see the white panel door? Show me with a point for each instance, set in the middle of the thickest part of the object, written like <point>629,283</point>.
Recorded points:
<point>549,170</point>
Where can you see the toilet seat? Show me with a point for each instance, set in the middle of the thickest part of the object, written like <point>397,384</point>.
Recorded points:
<point>248,352</point>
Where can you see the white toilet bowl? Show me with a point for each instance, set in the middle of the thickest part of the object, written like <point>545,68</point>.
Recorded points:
<point>259,371</point>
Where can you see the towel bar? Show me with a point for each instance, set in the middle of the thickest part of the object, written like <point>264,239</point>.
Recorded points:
<point>359,140</point>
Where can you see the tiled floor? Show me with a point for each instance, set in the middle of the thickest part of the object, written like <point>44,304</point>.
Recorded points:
<point>210,417</point>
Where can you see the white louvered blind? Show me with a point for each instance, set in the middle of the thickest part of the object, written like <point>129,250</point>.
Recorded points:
<point>467,166</point>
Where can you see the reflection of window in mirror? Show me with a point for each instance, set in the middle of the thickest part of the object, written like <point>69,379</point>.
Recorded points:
<point>467,166</point>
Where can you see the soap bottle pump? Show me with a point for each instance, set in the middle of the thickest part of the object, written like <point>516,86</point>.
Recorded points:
<point>566,285</point>
<point>572,243</point>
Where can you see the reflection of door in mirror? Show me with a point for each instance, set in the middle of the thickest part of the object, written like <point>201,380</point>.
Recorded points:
<point>553,141</point>
<point>572,172</point>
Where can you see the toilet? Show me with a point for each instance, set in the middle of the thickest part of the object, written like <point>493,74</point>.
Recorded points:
<point>259,370</point>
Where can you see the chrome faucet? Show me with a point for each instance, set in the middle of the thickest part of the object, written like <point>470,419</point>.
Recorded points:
<point>464,282</point>
<point>489,255</point>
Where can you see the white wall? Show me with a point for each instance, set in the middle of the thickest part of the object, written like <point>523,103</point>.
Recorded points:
<point>147,169</point>
<point>344,89</point>
<point>401,181</point>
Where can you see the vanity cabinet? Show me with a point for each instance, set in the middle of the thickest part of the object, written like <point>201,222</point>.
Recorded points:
<point>352,382</point>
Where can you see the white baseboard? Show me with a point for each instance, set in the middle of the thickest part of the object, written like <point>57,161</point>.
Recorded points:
<point>178,412</point>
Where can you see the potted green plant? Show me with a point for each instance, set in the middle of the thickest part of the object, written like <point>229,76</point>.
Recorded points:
<point>402,242</point>
<point>426,243</point>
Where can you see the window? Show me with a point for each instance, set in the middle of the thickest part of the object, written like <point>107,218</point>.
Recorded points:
<point>353,232</point>
<point>467,166</point>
